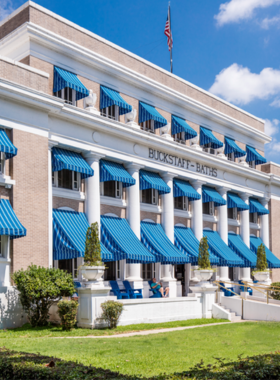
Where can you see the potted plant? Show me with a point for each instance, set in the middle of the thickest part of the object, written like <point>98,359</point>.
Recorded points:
<point>262,272</point>
<point>204,271</point>
<point>93,268</point>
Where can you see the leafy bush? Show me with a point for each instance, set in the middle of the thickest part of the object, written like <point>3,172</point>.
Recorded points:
<point>39,288</point>
<point>67,310</point>
<point>112,311</point>
<point>261,259</point>
<point>203,255</point>
<point>93,249</point>
<point>275,293</point>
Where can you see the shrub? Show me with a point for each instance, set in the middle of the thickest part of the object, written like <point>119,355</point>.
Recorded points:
<point>67,311</point>
<point>275,294</point>
<point>112,311</point>
<point>93,249</point>
<point>203,255</point>
<point>39,288</point>
<point>261,259</point>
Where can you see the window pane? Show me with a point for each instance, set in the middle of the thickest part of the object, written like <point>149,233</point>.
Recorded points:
<point>147,196</point>
<point>110,272</point>
<point>67,179</point>
<point>110,189</point>
<point>66,265</point>
<point>230,213</point>
<point>178,203</point>
<point>75,268</point>
<point>53,178</point>
<point>206,209</point>
<point>75,180</point>
<point>59,178</point>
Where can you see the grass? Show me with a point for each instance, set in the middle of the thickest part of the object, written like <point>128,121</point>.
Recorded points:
<point>27,331</point>
<point>155,354</point>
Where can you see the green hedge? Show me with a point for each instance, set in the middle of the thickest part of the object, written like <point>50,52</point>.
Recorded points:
<point>24,366</point>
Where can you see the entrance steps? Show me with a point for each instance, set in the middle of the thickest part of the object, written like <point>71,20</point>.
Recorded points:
<point>234,317</point>
<point>222,312</point>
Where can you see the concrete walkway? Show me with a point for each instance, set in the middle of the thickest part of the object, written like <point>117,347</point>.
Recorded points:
<point>146,332</point>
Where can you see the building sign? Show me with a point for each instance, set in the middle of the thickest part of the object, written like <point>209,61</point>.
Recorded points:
<point>182,163</point>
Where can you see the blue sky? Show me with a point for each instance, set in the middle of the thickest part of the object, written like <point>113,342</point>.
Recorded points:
<point>228,47</point>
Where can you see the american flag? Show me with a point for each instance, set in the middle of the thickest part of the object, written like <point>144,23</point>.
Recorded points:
<point>167,32</point>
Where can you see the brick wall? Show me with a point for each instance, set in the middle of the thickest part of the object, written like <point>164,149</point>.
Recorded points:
<point>185,221</point>
<point>30,198</point>
<point>14,22</point>
<point>63,202</point>
<point>234,229</point>
<point>212,226</point>
<point>271,168</point>
<point>274,208</point>
<point>119,211</point>
<point>150,215</point>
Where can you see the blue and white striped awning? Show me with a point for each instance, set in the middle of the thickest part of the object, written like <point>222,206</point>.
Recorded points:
<point>150,180</point>
<point>147,112</point>
<point>238,246</point>
<point>232,147</point>
<point>9,223</point>
<point>69,236</point>
<point>118,238</point>
<point>6,145</point>
<point>207,137</point>
<point>180,125</point>
<point>183,188</point>
<point>219,248</point>
<point>109,97</point>
<point>211,195</point>
<point>66,159</point>
<point>113,171</point>
<point>63,79</point>
<point>188,244</point>
<point>256,206</point>
<point>253,155</point>
<point>155,240</point>
<point>233,200</point>
<point>272,260</point>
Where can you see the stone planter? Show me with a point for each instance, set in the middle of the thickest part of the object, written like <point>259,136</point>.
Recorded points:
<point>203,274</point>
<point>92,273</point>
<point>261,276</point>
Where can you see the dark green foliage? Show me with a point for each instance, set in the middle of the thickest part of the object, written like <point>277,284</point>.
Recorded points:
<point>261,259</point>
<point>39,288</point>
<point>203,255</point>
<point>67,311</point>
<point>275,293</point>
<point>111,312</point>
<point>93,249</point>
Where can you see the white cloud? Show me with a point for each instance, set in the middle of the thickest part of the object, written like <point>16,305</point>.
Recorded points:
<point>237,10</point>
<point>266,23</point>
<point>271,126</point>
<point>6,8</point>
<point>239,85</point>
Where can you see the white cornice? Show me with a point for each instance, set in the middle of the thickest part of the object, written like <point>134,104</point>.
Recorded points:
<point>89,58</point>
<point>103,40</point>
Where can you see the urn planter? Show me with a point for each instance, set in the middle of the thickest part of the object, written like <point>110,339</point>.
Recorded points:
<point>261,276</point>
<point>203,274</point>
<point>92,273</point>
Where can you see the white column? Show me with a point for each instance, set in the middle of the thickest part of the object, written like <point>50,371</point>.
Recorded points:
<point>197,216</point>
<point>264,232</point>
<point>167,271</point>
<point>50,200</point>
<point>133,217</point>
<point>222,228</point>
<point>245,273</point>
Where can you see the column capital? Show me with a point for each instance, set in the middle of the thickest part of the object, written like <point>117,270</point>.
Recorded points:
<point>133,167</point>
<point>91,156</point>
<point>197,183</point>
<point>52,144</point>
<point>245,196</point>
<point>223,189</point>
<point>167,176</point>
<point>264,200</point>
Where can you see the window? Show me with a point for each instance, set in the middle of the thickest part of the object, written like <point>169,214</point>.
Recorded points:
<point>148,125</point>
<point>112,112</point>
<point>148,271</point>
<point>69,266</point>
<point>252,164</point>
<point>254,217</point>
<point>207,148</point>
<point>110,271</point>
<point>111,189</point>
<point>149,196</point>
<point>118,264</point>
<point>181,203</point>
<point>209,208</point>
<point>230,156</point>
<point>2,163</point>
<point>66,179</point>
<point>180,137</point>
<point>68,94</point>
<point>232,213</point>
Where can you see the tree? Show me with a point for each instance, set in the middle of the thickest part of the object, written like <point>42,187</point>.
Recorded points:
<point>261,259</point>
<point>203,255</point>
<point>39,288</point>
<point>93,249</point>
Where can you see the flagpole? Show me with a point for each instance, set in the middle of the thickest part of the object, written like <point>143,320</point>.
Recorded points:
<point>171,60</point>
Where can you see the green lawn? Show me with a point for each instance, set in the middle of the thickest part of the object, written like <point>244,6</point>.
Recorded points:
<point>164,352</point>
<point>52,330</point>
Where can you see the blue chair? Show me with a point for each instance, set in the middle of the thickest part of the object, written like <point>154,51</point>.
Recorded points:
<point>242,288</point>
<point>227,291</point>
<point>156,292</point>
<point>121,294</point>
<point>133,293</point>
